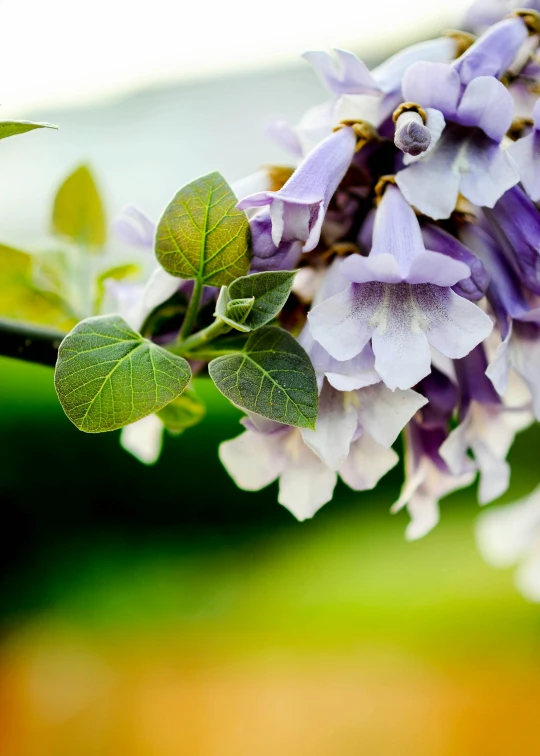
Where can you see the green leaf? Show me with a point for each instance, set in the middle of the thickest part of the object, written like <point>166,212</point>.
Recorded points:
<point>272,376</point>
<point>201,234</point>
<point>182,413</point>
<point>78,211</point>
<point>234,312</point>
<point>108,376</point>
<point>270,291</point>
<point>12,128</point>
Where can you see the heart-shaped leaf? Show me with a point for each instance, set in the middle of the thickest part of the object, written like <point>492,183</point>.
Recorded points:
<point>201,235</point>
<point>108,376</point>
<point>270,291</point>
<point>272,376</point>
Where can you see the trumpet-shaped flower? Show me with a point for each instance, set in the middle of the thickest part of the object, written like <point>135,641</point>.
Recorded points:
<point>297,210</point>
<point>400,299</point>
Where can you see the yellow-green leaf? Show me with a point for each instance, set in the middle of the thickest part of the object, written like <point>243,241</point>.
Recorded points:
<point>19,298</point>
<point>182,413</point>
<point>78,212</point>
<point>12,128</point>
<point>201,235</point>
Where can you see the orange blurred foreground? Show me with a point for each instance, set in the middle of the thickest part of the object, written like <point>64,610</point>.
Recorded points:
<point>64,695</point>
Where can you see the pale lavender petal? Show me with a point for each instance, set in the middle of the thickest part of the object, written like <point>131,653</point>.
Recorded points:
<point>366,464</point>
<point>336,426</point>
<point>421,182</point>
<point>402,355</point>
<point>526,155</point>
<point>431,267</point>
<point>457,325</point>
<point>493,53</point>
<point>381,267</point>
<point>488,105</point>
<point>253,460</point>
<point>343,72</point>
<point>384,413</point>
<point>433,85</point>
<point>389,75</point>
<point>286,135</point>
<point>523,354</point>
<point>143,439</point>
<point>353,374</point>
<point>306,483</point>
<point>132,226</point>
<point>341,324</point>
<point>499,368</point>
<point>490,171</point>
<point>396,230</point>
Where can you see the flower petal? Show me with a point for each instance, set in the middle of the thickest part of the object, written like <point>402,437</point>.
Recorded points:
<point>366,464</point>
<point>336,426</point>
<point>253,460</point>
<point>143,439</point>
<point>488,105</point>
<point>384,413</point>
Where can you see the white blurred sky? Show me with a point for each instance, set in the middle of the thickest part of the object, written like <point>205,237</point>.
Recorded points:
<point>55,52</point>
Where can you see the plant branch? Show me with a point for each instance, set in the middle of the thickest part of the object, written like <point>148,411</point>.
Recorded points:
<point>28,342</point>
<point>200,339</point>
<point>192,310</point>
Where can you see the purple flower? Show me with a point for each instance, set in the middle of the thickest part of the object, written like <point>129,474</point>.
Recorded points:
<point>526,155</point>
<point>468,154</point>
<point>297,210</point>
<point>474,286</point>
<point>132,226</point>
<point>373,95</point>
<point>494,52</point>
<point>486,431</point>
<point>515,222</point>
<point>427,479</point>
<point>400,298</point>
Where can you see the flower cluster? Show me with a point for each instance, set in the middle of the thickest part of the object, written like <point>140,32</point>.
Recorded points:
<point>410,217</point>
<point>414,208</point>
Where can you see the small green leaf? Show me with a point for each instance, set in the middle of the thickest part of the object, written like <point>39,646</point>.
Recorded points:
<point>234,312</point>
<point>272,376</point>
<point>78,210</point>
<point>201,234</point>
<point>12,128</point>
<point>182,413</point>
<point>270,291</point>
<point>108,376</point>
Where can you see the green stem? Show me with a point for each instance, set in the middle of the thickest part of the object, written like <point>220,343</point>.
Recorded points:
<point>28,342</point>
<point>192,310</point>
<point>200,339</point>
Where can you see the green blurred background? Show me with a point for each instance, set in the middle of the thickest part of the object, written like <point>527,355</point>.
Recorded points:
<point>159,611</point>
